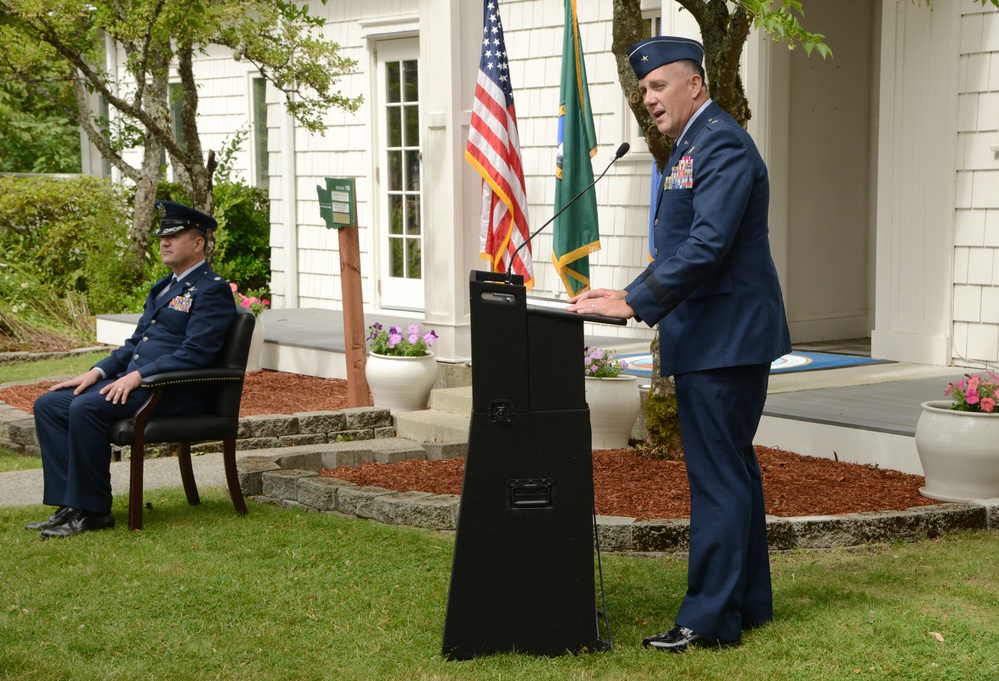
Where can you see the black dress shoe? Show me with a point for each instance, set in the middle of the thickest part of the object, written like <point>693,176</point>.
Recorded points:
<point>678,639</point>
<point>80,523</point>
<point>61,515</point>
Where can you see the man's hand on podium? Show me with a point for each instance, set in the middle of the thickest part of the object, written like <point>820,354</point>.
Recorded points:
<point>603,302</point>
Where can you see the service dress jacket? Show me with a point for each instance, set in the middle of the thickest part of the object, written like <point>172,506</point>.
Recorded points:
<point>185,328</point>
<point>712,272</point>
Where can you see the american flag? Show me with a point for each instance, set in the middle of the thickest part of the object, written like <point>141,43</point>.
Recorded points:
<point>494,151</point>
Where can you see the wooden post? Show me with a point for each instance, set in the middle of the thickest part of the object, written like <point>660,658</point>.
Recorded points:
<point>358,394</point>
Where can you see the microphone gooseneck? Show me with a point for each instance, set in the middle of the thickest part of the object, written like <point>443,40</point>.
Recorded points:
<point>621,151</point>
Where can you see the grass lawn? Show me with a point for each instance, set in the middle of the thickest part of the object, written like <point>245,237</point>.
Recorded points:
<point>33,371</point>
<point>15,461</point>
<point>287,594</point>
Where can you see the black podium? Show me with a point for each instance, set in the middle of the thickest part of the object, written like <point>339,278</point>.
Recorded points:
<point>522,577</point>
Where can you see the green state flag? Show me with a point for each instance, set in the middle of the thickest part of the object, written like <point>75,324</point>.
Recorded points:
<point>576,233</point>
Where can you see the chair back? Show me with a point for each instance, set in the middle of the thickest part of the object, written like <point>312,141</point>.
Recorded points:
<point>233,355</point>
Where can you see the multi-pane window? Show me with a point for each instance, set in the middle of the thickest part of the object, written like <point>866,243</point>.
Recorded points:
<point>402,181</point>
<point>176,113</point>
<point>261,157</point>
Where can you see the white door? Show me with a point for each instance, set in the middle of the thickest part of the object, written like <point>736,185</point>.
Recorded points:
<point>399,182</point>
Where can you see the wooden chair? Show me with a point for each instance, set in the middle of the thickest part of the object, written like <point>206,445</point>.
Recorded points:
<point>220,421</point>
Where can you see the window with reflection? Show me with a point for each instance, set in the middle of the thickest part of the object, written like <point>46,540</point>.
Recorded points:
<point>403,182</point>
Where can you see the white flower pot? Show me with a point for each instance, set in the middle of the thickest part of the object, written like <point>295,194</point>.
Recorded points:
<point>614,405</point>
<point>256,345</point>
<point>401,383</point>
<point>959,452</point>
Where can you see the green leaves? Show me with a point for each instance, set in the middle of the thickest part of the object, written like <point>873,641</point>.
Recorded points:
<point>781,24</point>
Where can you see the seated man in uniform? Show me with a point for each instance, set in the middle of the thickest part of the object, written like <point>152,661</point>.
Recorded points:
<point>184,324</point>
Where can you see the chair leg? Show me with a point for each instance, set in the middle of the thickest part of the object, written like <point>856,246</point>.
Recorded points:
<point>187,473</point>
<point>232,477</point>
<point>135,484</point>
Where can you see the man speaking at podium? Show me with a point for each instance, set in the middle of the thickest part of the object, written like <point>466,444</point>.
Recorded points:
<point>713,289</point>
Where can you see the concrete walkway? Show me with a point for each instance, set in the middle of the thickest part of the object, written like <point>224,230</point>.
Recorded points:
<point>24,488</point>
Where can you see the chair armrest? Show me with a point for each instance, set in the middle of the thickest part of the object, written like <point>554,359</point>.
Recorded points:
<point>191,376</point>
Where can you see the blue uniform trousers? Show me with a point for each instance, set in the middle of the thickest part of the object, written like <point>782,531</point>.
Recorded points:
<point>73,431</point>
<point>728,581</point>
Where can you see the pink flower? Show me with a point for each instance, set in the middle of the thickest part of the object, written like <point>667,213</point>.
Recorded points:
<point>975,393</point>
<point>399,343</point>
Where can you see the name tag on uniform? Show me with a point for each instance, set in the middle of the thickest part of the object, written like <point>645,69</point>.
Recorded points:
<point>181,303</point>
<point>681,175</point>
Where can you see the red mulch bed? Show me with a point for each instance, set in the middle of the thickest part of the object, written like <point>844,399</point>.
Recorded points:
<point>625,485</point>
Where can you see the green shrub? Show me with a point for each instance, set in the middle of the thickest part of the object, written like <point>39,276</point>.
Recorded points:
<point>75,231</point>
<point>64,248</point>
<point>45,223</point>
<point>34,317</point>
<point>242,240</point>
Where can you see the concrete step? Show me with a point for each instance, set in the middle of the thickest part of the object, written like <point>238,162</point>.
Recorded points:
<point>452,400</point>
<point>432,425</point>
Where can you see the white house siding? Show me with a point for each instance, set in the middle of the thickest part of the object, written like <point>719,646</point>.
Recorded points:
<point>343,151</point>
<point>976,234</point>
<point>935,182</point>
<point>534,42</point>
<point>533,32</point>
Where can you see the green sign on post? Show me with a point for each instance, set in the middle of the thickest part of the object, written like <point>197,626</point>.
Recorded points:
<point>337,203</point>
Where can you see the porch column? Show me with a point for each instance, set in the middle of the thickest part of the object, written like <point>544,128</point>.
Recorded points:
<point>450,35</point>
<point>916,172</point>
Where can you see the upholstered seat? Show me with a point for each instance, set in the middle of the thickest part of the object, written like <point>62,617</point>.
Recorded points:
<point>223,382</point>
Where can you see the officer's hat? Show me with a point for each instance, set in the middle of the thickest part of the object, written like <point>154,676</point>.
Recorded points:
<point>648,55</point>
<point>176,217</point>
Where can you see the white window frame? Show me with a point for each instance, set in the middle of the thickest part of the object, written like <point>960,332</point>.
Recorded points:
<point>392,292</point>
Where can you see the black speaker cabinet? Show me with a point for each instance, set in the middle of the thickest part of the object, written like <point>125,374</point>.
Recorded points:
<point>522,579</point>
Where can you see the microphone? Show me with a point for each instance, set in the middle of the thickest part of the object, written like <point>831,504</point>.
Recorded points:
<point>621,151</point>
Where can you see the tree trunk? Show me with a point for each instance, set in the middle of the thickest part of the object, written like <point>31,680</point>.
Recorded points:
<point>195,170</point>
<point>628,28</point>
<point>155,104</point>
<point>723,33</point>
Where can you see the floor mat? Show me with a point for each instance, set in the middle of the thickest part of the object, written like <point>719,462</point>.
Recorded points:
<point>640,364</point>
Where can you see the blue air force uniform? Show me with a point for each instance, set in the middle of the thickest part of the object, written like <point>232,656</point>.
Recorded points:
<point>713,289</point>
<point>184,328</point>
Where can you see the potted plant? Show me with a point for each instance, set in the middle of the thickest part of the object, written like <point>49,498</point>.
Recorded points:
<point>612,396</point>
<point>256,303</point>
<point>958,441</point>
<point>400,369</point>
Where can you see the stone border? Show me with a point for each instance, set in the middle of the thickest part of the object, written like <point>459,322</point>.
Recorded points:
<point>289,452</point>
<point>17,431</point>
<point>295,481</point>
